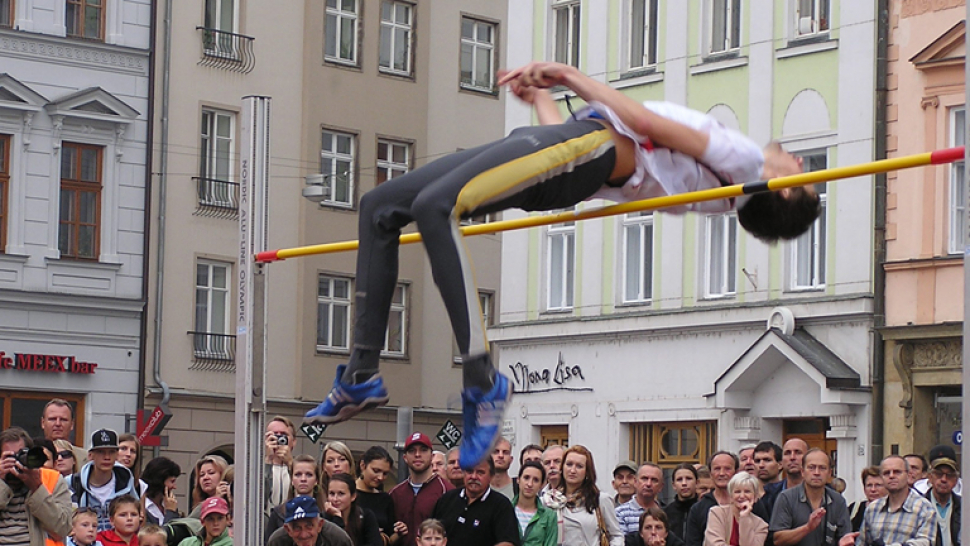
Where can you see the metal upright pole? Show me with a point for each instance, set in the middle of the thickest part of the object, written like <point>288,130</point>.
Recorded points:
<point>965,408</point>
<point>251,324</point>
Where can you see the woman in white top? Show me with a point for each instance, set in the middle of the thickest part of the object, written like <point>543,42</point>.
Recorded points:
<point>587,513</point>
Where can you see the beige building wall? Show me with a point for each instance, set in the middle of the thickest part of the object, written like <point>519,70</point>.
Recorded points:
<point>924,273</point>
<point>427,109</point>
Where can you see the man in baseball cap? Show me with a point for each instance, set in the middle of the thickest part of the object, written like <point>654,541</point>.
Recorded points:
<point>215,520</point>
<point>414,498</point>
<point>102,478</point>
<point>938,452</point>
<point>303,526</point>
<point>943,478</point>
<point>624,481</point>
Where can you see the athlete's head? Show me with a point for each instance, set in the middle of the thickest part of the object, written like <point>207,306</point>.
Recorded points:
<point>783,214</point>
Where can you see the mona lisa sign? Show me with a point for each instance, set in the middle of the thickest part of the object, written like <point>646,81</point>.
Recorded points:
<point>562,377</point>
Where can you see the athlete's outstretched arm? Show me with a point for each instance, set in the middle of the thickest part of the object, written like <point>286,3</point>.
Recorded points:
<point>546,109</point>
<point>665,132</point>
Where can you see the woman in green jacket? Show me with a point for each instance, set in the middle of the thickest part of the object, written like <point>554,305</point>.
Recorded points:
<point>538,524</point>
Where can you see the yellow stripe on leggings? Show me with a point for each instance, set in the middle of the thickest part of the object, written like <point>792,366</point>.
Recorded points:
<point>528,170</point>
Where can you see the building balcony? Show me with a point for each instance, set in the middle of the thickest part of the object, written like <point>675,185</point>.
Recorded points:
<point>227,50</point>
<point>219,198</point>
<point>213,352</point>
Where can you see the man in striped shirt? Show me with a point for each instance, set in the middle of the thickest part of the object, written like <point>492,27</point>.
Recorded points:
<point>901,518</point>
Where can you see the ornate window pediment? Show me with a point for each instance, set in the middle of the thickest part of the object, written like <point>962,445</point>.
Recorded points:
<point>947,50</point>
<point>17,96</point>
<point>92,104</point>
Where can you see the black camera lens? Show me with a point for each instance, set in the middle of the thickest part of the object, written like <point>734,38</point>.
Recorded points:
<point>282,439</point>
<point>31,458</point>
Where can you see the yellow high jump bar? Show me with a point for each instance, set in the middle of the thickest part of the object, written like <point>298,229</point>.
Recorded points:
<point>939,157</point>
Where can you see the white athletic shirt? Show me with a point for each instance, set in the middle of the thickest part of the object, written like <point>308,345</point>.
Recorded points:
<point>662,171</point>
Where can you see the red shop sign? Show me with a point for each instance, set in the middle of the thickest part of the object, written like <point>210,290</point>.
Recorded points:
<point>45,363</point>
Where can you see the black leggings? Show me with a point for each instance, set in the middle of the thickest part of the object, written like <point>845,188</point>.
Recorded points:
<point>534,168</point>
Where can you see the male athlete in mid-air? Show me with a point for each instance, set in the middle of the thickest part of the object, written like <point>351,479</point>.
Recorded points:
<point>616,149</point>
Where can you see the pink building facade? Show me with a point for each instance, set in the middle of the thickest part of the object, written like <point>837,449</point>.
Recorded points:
<point>924,211</point>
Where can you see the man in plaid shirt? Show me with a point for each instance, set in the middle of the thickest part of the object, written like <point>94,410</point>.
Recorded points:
<point>901,518</point>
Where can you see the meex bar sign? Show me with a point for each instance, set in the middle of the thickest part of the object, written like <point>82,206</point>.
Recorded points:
<point>45,363</point>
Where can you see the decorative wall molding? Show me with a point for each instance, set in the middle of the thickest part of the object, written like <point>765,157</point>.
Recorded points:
<point>937,354</point>
<point>60,50</point>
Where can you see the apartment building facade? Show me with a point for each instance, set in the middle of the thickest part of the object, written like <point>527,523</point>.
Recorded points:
<point>924,227</point>
<point>664,337</point>
<point>74,116</point>
<point>362,91</point>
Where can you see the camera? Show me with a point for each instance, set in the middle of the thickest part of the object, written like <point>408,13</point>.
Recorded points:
<point>31,457</point>
<point>282,439</point>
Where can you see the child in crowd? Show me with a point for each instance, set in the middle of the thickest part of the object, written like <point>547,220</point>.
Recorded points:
<point>215,524</point>
<point>84,528</point>
<point>152,535</point>
<point>432,533</point>
<point>125,514</point>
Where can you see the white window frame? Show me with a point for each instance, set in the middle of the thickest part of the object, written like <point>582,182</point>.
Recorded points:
<point>332,177</point>
<point>720,255</point>
<point>809,24</point>
<point>642,223</point>
<point>645,31</point>
<point>485,300</point>
<point>209,152</point>
<point>816,238</point>
<point>399,309</point>
<point>219,4</point>
<point>332,304</point>
<point>732,17</point>
<point>564,268</point>
<point>214,348</point>
<point>340,15</point>
<point>387,166</point>
<point>478,47</point>
<point>573,13</point>
<point>958,199</point>
<point>393,29</point>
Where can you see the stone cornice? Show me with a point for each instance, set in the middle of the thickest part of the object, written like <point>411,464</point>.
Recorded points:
<point>54,49</point>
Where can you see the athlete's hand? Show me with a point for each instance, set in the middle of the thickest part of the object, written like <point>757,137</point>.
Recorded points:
<point>537,74</point>
<point>523,93</point>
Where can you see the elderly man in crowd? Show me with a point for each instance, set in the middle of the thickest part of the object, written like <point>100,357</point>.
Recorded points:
<point>902,517</point>
<point>303,526</point>
<point>811,514</point>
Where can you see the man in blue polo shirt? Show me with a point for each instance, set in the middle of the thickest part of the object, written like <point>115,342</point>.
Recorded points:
<point>475,515</point>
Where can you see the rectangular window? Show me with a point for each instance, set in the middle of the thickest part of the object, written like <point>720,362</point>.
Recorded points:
<point>643,33</point>
<point>393,159</point>
<point>340,32</point>
<point>337,157</point>
<point>4,187</point>
<point>811,17</point>
<point>79,231</point>
<point>638,257</point>
<point>721,255</point>
<point>333,314</point>
<point>396,26</point>
<point>808,250</point>
<point>25,409</point>
<point>478,40</point>
<point>220,15</point>
<point>396,336</point>
<point>566,18</point>
<point>561,260</point>
<point>6,13</point>
<point>958,196</point>
<point>725,21</point>
<point>212,340</point>
<point>485,301</point>
<point>215,160</point>
<point>85,19</point>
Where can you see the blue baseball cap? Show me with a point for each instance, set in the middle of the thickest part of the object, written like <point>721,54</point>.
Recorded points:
<point>301,508</point>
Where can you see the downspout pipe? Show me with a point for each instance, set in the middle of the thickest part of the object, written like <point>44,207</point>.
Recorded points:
<point>877,428</point>
<point>162,186</point>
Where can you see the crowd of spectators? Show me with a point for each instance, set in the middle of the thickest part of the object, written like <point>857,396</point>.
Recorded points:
<point>54,493</point>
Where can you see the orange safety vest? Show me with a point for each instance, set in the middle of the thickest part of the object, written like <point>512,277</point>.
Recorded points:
<point>49,478</point>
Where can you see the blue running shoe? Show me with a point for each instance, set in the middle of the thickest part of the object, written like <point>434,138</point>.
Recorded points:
<point>483,413</point>
<point>345,401</point>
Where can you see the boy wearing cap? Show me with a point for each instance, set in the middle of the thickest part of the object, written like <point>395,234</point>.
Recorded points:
<point>215,522</point>
<point>414,498</point>
<point>102,478</point>
<point>943,477</point>
<point>303,526</point>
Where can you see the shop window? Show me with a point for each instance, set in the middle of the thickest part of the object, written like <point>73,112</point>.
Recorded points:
<point>949,418</point>
<point>24,410</point>
<point>554,435</point>
<point>671,444</point>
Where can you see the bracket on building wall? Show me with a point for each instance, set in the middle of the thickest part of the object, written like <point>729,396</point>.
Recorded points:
<point>28,127</point>
<point>903,360</point>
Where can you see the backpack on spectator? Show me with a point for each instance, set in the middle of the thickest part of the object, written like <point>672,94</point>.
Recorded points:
<point>180,529</point>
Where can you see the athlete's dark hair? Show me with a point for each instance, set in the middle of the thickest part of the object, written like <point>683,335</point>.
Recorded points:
<point>769,216</point>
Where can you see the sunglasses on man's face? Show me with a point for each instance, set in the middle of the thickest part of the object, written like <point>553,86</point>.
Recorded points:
<point>66,454</point>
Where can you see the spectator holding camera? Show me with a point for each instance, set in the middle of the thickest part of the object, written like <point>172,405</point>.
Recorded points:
<point>280,436</point>
<point>903,517</point>
<point>35,503</point>
<point>103,478</point>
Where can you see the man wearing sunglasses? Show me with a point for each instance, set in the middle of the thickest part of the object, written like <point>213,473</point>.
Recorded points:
<point>943,478</point>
